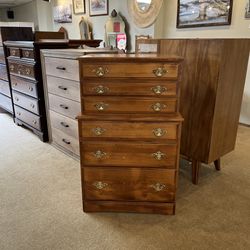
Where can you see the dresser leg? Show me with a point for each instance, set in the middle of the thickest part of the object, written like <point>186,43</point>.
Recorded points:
<point>195,171</point>
<point>217,165</point>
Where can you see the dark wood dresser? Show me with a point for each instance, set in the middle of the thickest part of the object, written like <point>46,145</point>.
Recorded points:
<point>129,133</point>
<point>9,33</point>
<point>211,94</point>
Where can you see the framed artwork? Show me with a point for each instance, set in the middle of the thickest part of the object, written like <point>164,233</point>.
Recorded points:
<point>62,13</point>
<point>200,13</point>
<point>98,7</point>
<point>247,14</point>
<point>79,6</point>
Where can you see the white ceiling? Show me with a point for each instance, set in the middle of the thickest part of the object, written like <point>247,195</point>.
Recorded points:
<point>11,3</point>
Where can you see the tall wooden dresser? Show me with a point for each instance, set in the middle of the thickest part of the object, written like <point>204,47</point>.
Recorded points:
<point>129,133</point>
<point>9,33</point>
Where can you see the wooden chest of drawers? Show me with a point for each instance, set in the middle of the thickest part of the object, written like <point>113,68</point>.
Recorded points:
<point>129,133</point>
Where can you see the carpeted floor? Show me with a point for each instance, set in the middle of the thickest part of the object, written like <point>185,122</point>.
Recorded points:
<point>40,203</point>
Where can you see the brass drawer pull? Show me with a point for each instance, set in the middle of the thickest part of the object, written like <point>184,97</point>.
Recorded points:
<point>160,72</point>
<point>63,106</point>
<point>64,124</point>
<point>100,71</point>
<point>158,107</point>
<point>158,90</point>
<point>12,67</point>
<point>14,84</point>
<point>61,68</point>
<point>30,89</point>
<point>159,155</point>
<point>158,187</point>
<point>28,71</point>
<point>63,88</point>
<point>13,52</point>
<point>26,53</point>
<point>100,90</point>
<point>66,141</point>
<point>100,185</point>
<point>98,131</point>
<point>99,154</point>
<point>158,132</point>
<point>101,106</point>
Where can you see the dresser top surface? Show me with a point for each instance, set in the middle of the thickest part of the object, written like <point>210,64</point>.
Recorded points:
<point>131,58</point>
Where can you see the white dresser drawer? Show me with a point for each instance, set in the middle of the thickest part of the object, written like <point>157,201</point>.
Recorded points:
<point>63,123</point>
<point>64,106</point>
<point>64,68</point>
<point>64,87</point>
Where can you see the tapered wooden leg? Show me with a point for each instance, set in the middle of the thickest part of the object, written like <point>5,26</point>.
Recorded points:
<point>217,165</point>
<point>195,171</point>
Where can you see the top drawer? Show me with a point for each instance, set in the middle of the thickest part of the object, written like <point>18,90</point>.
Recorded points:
<point>143,70</point>
<point>64,68</point>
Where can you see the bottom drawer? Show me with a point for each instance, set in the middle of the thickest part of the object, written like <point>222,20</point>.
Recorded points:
<point>130,184</point>
<point>129,207</point>
<point>69,143</point>
<point>28,117</point>
<point>5,103</point>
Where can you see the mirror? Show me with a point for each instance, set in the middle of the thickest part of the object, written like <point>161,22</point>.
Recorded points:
<point>144,12</point>
<point>143,5</point>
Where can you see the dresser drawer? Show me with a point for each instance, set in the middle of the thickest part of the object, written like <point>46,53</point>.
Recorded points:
<point>5,102</point>
<point>27,53</point>
<point>4,88</point>
<point>65,141</point>
<point>26,70</point>
<point>26,102</point>
<point>129,154</point>
<point>128,105</point>
<point>63,87</point>
<point>24,86</point>
<point>2,58</point>
<point>14,52</point>
<point>28,117</point>
<point>127,88</point>
<point>64,68</point>
<point>134,70</point>
<point>64,106</point>
<point>130,184</point>
<point>128,130</point>
<point>3,72</point>
<point>63,123</point>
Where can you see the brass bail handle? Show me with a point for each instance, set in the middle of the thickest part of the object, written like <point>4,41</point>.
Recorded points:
<point>100,71</point>
<point>160,71</point>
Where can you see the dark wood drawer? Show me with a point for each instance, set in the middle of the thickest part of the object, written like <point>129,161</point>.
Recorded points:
<point>28,117</point>
<point>129,130</point>
<point>2,58</point>
<point>127,88</point>
<point>128,105</point>
<point>3,72</point>
<point>14,52</point>
<point>19,68</point>
<point>129,154</point>
<point>64,140</point>
<point>5,102</point>
<point>24,86</point>
<point>64,87</point>
<point>4,88</point>
<point>64,106</point>
<point>26,102</point>
<point>131,70</point>
<point>65,124</point>
<point>27,53</point>
<point>130,184</point>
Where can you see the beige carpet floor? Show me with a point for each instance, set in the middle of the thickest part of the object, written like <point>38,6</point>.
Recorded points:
<point>40,203</point>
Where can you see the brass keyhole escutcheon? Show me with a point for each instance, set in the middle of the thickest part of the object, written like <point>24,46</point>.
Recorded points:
<point>99,154</point>
<point>158,107</point>
<point>100,90</point>
<point>159,155</point>
<point>160,72</point>
<point>98,131</point>
<point>158,90</point>
<point>158,187</point>
<point>101,106</point>
<point>100,71</point>
<point>100,185</point>
<point>158,132</point>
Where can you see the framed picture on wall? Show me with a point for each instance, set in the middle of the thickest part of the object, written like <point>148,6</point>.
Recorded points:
<point>98,7</point>
<point>247,14</point>
<point>79,6</point>
<point>62,13</point>
<point>199,13</point>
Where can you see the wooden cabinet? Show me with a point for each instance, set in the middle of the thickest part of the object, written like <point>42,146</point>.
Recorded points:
<point>9,33</point>
<point>129,133</point>
<point>214,75</point>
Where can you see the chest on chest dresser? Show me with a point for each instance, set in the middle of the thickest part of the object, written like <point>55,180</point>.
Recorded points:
<point>129,133</point>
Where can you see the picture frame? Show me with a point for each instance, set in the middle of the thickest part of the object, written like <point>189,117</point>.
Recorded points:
<point>193,13</point>
<point>247,13</point>
<point>98,7</point>
<point>62,13</point>
<point>79,7</point>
